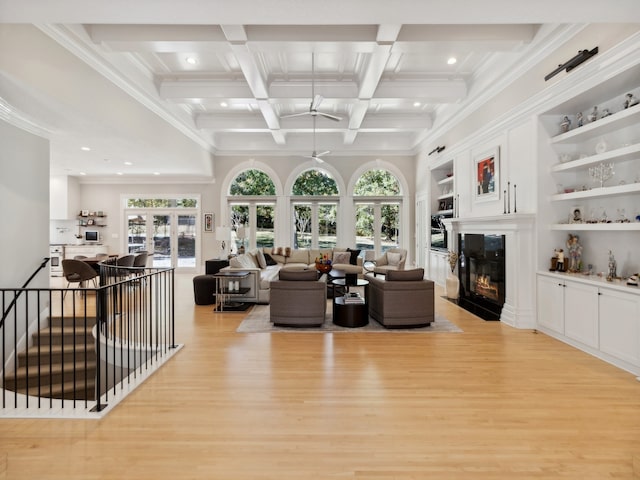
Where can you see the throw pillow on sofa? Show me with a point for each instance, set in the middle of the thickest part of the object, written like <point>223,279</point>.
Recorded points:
<point>393,259</point>
<point>341,258</point>
<point>353,260</point>
<point>298,275</point>
<point>269,259</point>
<point>405,275</point>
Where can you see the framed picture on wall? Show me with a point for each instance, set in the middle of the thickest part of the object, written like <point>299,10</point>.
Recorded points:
<point>486,175</point>
<point>208,222</point>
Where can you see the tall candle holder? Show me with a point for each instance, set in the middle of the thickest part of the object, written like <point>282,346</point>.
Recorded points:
<point>601,173</point>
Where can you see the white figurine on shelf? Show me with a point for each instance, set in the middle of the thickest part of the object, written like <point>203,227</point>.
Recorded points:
<point>579,119</point>
<point>630,101</point>
<point>593,116</point>
<point>565,124</point>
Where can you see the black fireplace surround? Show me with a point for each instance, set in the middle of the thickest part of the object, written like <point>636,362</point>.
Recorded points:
<point>481,268</point>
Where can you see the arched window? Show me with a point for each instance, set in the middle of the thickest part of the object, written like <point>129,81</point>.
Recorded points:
<point>378,202</point>
<point>252,209</point>
<point>315,210</point>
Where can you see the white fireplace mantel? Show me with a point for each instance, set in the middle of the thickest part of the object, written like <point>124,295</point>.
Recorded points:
<point>518,310</point>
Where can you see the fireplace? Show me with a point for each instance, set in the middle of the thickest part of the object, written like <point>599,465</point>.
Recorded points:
<point>482,274</point>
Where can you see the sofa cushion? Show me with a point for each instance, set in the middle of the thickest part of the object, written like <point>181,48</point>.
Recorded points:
<point>278,257</point>
<point>298,275</point>
<point>259,257</point>
<point>269,259</point>
<point>341,258</point>
<point>243,261</point>
<point>282,251</point>
<point>405,275</point>
<point>354,256</point>
<point>299,256</point>
<point>394,258</point>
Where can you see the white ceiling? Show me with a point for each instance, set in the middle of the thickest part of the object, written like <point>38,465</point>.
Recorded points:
<point>381,66</point>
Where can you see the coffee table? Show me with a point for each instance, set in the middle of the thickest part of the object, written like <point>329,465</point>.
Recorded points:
<point>351,315</point>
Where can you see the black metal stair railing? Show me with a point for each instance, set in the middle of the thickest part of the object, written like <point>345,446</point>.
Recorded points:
<point>77,350</point>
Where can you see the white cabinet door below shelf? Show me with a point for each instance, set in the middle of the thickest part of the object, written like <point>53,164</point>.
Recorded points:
<point>620,325</point>
<point>551,303</point>
<point>581,313</point>
<point>438,265</point>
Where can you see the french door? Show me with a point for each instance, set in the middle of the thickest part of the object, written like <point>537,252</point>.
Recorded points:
<point>170,235</point>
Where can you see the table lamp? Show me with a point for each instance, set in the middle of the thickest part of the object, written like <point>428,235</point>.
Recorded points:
<point>222,235</point>
<point>242,232</point>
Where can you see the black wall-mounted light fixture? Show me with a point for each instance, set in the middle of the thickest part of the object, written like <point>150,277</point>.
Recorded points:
<point>582,56</point>
<point>437,150</point>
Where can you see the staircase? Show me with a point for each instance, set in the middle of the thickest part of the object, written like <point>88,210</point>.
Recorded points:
<point>62,361</point>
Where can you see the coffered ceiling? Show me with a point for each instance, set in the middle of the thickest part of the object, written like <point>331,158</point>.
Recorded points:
<point>230,77</point>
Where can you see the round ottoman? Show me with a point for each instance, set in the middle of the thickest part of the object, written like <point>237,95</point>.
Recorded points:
<point>204,289</point>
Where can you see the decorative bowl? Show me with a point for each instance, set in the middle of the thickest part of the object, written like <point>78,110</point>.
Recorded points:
<point>323,267</point>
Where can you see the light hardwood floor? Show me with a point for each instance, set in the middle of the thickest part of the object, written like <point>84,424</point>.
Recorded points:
<point>490,403</point>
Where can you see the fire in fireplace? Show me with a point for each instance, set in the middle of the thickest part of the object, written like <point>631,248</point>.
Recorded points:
<point>482,274</point>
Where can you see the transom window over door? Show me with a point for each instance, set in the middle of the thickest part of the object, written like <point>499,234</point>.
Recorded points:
<point>315,210</point>
<point>378,202</point>
<point>251,203</point>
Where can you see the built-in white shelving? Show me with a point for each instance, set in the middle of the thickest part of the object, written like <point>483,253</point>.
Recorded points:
<point>616,121</point>
<point>628,152</point>
<point>595,227</point>
<point>598,192</point>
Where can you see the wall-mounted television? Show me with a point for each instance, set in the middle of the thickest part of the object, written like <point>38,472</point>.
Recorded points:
<point>91,236</point>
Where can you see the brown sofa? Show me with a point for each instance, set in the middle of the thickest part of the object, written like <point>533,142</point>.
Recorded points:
<point>401,299</point>
<point>298,299</point>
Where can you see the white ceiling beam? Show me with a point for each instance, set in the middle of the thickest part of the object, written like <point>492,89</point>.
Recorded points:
<point>255,80</point>
<point>370,78</point>
<point>302,89</point>
<point>273,121</point>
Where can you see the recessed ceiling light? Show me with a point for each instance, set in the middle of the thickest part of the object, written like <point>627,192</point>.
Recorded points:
<point>119,173</point>
<point>452,60</point>
<point>191,60</point>
<point>416,104</point>
<point>156,173</point>
<point>224,104</point>
<point>82,173</point>
<point>85,149</point>
<point>128,163</point>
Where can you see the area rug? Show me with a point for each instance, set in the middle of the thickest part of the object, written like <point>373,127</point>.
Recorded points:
<point>257,321</point>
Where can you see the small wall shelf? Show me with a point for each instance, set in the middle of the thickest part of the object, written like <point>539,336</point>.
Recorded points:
<point>594,227</point>
<point>616,121</point>
<point>618,155</point>
<point>598,192</point>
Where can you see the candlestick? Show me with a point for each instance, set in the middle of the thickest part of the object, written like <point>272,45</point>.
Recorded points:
<point>508,197</point>
<point>515,200</point>
<point>504,197</point>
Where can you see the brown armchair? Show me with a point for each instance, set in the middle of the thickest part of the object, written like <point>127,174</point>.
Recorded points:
<point>298,299</point>
<point>401,299</point>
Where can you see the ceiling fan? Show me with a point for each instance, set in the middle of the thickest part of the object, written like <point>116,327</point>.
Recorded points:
<point>316,100</point>
<point>314,155</point>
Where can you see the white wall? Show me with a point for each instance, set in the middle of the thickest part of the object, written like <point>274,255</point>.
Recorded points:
<point>24,200</point>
